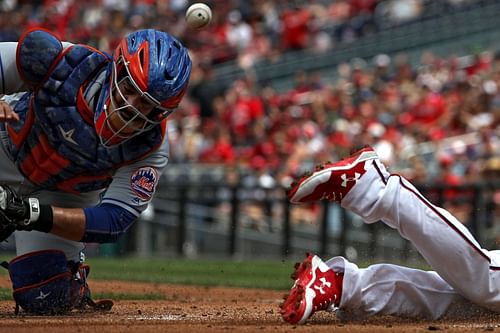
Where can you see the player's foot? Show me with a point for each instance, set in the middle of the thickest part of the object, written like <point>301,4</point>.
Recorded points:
<point>317,287</point>
<point>332,181</point>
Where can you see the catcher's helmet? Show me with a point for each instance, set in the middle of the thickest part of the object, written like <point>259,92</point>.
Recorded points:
<point>155,68</point>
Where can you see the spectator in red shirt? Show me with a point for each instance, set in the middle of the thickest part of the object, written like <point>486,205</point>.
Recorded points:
<point>295,28</point>
<point>221,150</point>
<point>429,109</point>
<point>246,108</point>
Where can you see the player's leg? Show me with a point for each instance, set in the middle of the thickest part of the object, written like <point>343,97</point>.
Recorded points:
<point>362,184</point>
<point>386,289</point>
<point>31,241</point>
<point>440,238</point>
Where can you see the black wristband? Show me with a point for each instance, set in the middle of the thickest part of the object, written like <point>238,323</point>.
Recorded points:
<point>45,219</point>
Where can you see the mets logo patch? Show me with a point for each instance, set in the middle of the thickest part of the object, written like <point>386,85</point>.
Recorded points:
<point>143,182</point>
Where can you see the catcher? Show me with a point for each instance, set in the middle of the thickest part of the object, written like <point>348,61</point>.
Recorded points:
<point>465,275</point>
<point>83,144</point>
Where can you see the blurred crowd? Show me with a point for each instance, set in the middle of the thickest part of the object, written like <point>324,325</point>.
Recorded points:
<point>436,122</point>
<point>245,31</point>
<point>385,102</point>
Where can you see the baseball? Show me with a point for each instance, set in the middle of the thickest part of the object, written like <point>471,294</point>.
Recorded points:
<point>198,15</point>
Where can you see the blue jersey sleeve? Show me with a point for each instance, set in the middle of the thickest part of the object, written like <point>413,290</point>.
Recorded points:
<point>106,223</point>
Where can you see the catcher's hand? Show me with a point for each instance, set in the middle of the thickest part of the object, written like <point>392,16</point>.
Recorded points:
<point>6,113</point>
<point>15,213</point>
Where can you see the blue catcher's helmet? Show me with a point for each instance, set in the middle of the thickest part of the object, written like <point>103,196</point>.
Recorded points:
<point>154,66</point>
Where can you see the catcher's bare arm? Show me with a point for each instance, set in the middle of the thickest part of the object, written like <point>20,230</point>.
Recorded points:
<point>68,223</point>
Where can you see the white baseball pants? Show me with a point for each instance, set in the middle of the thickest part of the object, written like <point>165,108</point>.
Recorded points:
<point>464,274</point>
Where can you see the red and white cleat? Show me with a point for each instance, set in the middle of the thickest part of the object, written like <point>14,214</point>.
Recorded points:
<point>317,287</point>
<point>332,181</point>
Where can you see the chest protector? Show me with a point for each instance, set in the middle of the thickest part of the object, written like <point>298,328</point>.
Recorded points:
<point>55,145</point>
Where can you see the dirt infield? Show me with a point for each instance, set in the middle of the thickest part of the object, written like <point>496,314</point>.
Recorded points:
<point>199,309</point>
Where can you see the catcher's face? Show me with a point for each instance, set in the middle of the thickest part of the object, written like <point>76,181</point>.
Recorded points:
<point>129,111</point>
